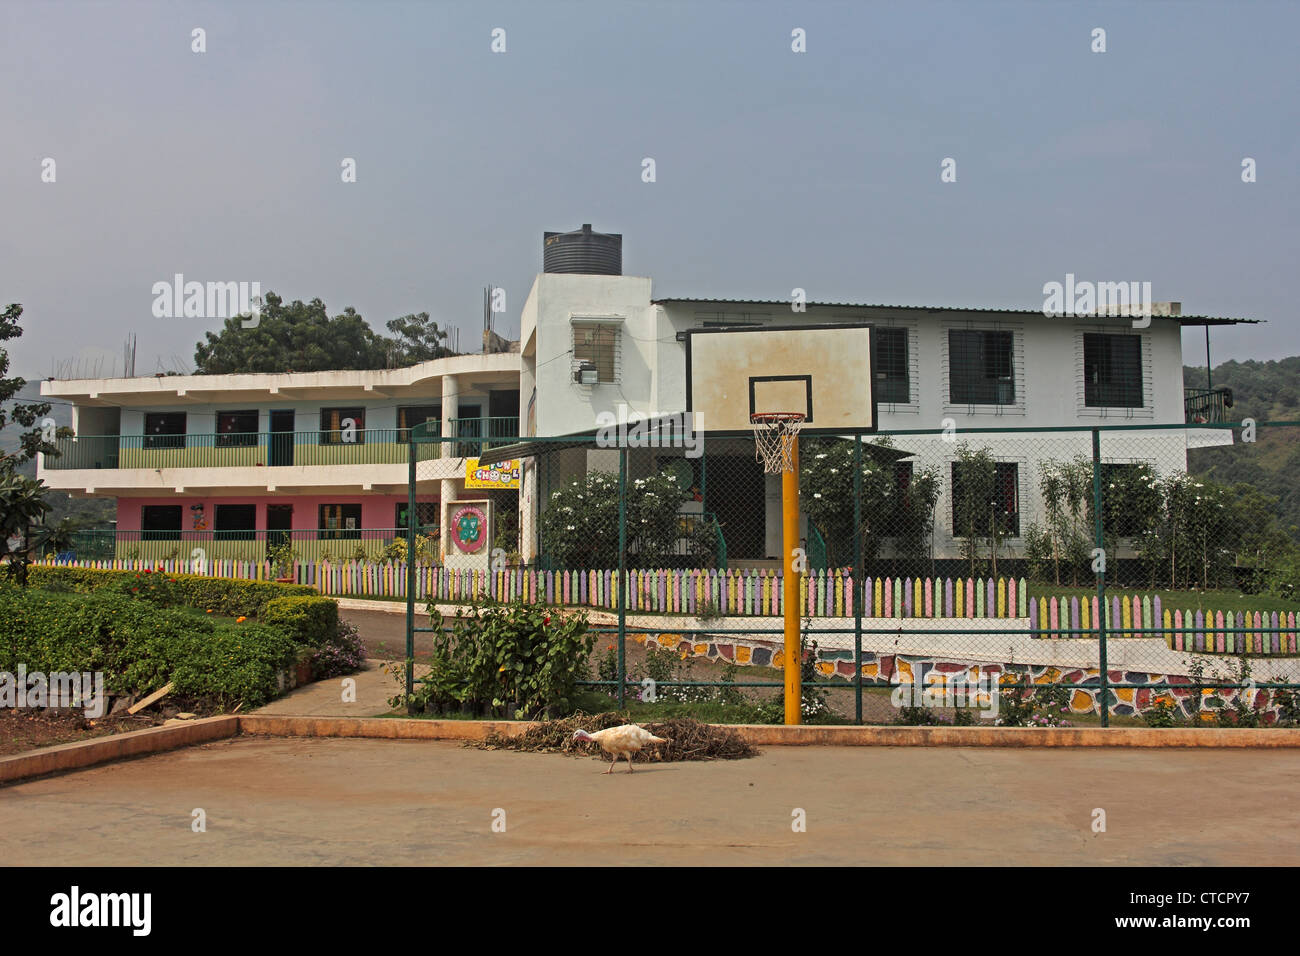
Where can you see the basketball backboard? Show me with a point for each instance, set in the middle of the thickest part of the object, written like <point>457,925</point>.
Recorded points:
<point>820,371</point>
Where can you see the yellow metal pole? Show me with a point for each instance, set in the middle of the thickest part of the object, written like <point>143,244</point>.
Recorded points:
<point>790,540</point>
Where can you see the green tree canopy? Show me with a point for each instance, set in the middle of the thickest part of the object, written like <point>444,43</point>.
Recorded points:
<point>302,337</point>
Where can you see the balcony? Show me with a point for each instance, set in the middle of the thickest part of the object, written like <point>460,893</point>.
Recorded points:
<point>1207,406</point>
<point>364,446</point>
<point>333,545</point>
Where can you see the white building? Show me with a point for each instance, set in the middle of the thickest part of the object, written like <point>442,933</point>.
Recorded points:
<point>935,368</point>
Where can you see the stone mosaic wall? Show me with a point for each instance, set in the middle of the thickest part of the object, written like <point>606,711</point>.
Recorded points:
<point>888,669</point>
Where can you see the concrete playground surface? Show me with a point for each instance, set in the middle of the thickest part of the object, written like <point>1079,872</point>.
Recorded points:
<point>329,801</point>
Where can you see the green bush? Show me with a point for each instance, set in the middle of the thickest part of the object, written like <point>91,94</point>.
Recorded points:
<point>515,660</point>
<point>140,647</point>
<point>309,620</point>
<point>229,596</point>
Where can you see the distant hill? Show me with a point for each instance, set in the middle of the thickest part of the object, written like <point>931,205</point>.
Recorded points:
<point>1264,391</point>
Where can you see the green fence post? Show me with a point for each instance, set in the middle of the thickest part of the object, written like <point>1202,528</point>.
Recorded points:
<point>858,592</point>
<point>622,576</point>
<point>410,571</point>
<point>1103,691</point>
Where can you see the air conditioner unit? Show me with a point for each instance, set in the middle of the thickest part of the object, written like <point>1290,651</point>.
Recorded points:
<point>587,374</point>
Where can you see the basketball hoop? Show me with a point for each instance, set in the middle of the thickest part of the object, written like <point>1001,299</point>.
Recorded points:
<point>774,434</point>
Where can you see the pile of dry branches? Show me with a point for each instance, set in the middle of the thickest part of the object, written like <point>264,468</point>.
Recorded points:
<point>688,739</point>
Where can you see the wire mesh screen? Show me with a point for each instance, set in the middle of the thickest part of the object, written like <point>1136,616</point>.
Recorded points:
<point>1020,576</point>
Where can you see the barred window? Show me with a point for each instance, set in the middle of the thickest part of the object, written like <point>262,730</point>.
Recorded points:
<point>235,523</point>
<point>980,368</point>
<point>236,429</point>
<point>164,430</point>
<point>332,425</point>
<point>1112,370</point>
<point>426,516</point>
<point>160,523</point>
<point>891,366</point>
<point>340,521</point>
<point>409,416</point>
<point>598,344</point>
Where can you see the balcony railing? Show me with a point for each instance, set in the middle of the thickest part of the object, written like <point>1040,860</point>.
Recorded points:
<point>362,446</point>
<point>1207,406</point>
<point>332,544</point>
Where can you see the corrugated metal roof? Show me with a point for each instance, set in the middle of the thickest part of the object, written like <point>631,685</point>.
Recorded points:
<point>1182,319</point>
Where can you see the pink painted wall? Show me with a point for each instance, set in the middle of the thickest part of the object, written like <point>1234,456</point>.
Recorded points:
<point>376,510</point>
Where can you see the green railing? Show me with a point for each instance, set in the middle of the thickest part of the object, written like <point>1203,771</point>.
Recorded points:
<point>312,544</point>
<point>362,446</point>
<point>480,433</point>
<point>1204,406</point>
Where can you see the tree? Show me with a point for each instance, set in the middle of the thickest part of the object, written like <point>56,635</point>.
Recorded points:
<point>579,528</point>
<point>418,339</point>
<point>294,337</point>
<point>897,505</point>
<point>22,499</point>
<point>28,415</point>
<point>22,505</point>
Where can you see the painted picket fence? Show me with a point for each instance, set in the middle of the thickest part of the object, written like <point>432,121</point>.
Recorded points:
<point>1211,632</point>
<point>663,591</point>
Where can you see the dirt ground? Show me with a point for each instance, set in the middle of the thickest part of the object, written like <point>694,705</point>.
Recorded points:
<point>271,801</point>
<point>23,729</point>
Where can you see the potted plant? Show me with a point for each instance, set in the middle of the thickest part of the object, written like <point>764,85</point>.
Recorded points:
<point>281,556</point>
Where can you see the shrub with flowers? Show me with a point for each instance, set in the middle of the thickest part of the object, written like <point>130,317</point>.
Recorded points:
<point>897,499</point>
<point>579,526</point>
<point>1024,704</point>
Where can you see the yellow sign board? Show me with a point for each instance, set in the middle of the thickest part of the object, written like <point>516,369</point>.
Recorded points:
<point>504,475</point>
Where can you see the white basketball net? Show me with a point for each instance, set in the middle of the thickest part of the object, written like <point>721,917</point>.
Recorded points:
<point>770,444</point>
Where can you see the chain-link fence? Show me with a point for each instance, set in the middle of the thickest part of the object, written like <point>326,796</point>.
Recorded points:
<point>1065,575</point>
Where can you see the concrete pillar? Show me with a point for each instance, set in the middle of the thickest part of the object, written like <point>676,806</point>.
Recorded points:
<point>450,410</point>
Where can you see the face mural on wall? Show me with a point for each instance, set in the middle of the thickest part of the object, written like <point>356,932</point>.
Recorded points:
<point>469,528</point>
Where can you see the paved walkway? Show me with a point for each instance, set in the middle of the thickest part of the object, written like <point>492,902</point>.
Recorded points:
<point>325,698</point>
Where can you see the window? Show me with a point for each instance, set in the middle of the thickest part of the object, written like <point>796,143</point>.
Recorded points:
<point>597,344</point>
<point>1112,370</point>
<point>340,426</point>
<point>979,498</point>
<point>235,523</point>
<point>890,363</point>
<point>164,430</point>
<point>426,516</point>
<point>340,521</point>
<point>160,523</point>
<point>236,429</point>
<point>980,368</point>
<point>408,416</point>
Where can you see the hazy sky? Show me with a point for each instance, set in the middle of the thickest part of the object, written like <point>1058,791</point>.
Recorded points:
<point>774,169</point>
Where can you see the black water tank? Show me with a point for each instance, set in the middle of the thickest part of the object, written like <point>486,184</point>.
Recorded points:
<point>583,252</point>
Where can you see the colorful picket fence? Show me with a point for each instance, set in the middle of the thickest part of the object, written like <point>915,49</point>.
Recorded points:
<point>662,591</point>
<point>705,592</point>
<point>1211,632</point>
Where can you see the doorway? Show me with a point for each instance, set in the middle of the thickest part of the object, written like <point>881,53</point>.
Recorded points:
<point>281,452</point>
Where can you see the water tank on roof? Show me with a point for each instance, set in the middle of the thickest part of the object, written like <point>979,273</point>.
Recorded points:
<point>583,252</point>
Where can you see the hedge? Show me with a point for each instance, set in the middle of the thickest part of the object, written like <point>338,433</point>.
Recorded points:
<point>229,596</point>
<point>309,620</point>
<point>140,647</point>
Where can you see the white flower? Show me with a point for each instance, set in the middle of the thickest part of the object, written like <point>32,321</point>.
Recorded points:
<point>817,495</point>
